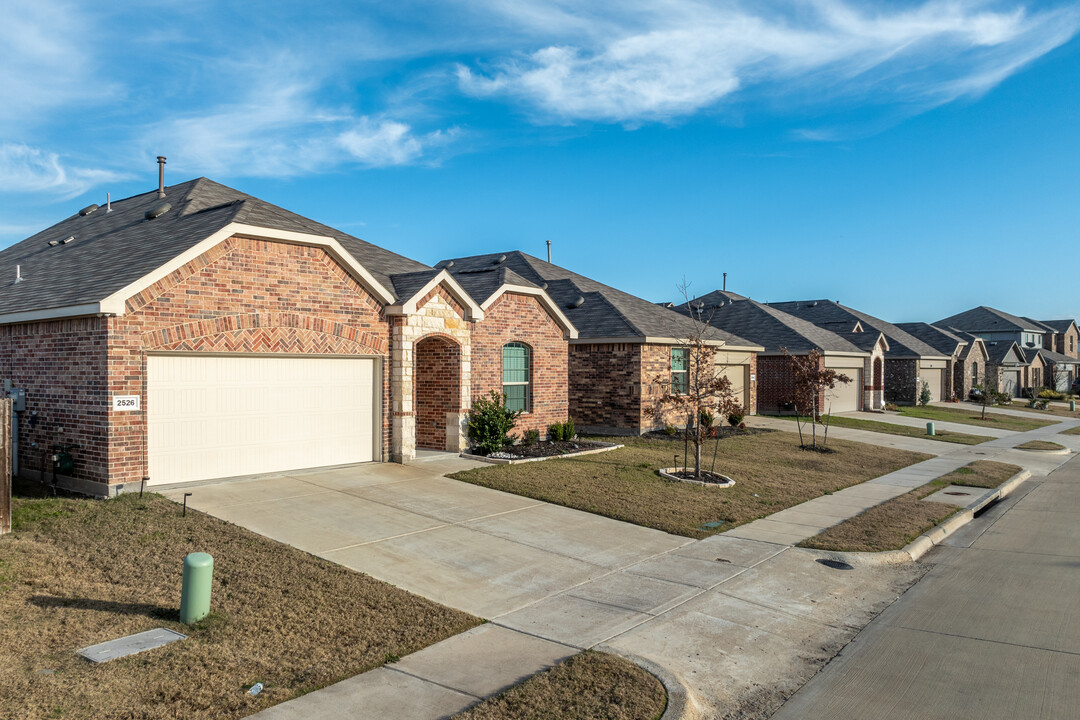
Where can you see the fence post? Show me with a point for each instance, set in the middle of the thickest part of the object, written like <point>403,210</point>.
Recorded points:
<point>5,466</point>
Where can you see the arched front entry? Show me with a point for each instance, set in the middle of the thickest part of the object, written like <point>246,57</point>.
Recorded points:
<point>437,388</point>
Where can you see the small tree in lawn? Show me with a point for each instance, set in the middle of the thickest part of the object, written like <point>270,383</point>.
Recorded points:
<point>811,380</point>
<point>1059,377</point>
<point>694,388</point>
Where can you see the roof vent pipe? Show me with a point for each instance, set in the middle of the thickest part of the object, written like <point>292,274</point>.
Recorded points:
<point>549,250</point>
<point>160,176</point>
<point>725,282</point>
<point>18,274</point>
<point>108,202</point>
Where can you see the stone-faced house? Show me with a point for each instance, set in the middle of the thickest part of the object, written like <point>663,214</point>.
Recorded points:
<point>909,362</point>
<point>627,350</point>
<point>197,332</point>
<point>967,355</point>
<point>777,332</point>
<point>1063,338</point>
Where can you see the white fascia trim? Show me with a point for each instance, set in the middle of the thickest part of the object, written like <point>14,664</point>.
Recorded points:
<point>639,340</point>
<point>115,303</point>
<point>569,331</point>
<point>408,305</point>
<point>52,313</point>
<point>884,340</point>
<point>835,353</point>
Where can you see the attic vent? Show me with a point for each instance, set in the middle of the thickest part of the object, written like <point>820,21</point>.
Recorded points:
<point>157,211</point>
<point>813,304</point>
<point>88,209</point>
<point>544,286</point>
<point>500,259</point>
<point>449,265</point>
<point>578,302</point>
<point>65,241</point>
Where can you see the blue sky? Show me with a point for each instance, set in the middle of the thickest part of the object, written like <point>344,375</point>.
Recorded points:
<point>911,159</point>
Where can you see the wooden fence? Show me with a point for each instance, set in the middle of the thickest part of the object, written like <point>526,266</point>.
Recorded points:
<point>5,466</point>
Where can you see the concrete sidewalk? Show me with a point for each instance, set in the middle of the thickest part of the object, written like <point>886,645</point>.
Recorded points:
<point>915,422</point>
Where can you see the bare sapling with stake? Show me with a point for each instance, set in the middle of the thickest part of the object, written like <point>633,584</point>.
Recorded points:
<point>812,379</point>
<point>694,390</point>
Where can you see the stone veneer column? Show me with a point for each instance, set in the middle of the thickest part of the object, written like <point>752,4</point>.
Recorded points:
<point>403,416</point>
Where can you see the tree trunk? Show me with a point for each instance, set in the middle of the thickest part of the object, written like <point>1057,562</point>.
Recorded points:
<point>813,420</point>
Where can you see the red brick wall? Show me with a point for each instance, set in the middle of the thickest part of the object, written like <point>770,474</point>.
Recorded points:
<point>521,318</point>
<point>776,382</point>
<point>437,389</point>
<point>605,385</point>
<point>62,366</point>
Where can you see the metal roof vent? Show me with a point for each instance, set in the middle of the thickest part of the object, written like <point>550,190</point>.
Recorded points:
<point>813,304</point>
<point>157,211</point>
<point>500,259</point>
<point>448,265</point>
<point>544,286</point>
<point>89,209</point>
<point>578,302</point>
<point>18,274</point>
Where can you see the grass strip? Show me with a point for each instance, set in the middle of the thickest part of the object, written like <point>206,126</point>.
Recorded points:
<point>589,686</point>
<point>892,429</point>
<point>1040,445</point>
<point>1071,431</point>
<point>895,523</point>
<point>972,417</point>
<point>770,470</point>
<point>76,572</point>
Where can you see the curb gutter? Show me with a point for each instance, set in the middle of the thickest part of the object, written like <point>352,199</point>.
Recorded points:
<point>921,545</point>
<point>681,704</point>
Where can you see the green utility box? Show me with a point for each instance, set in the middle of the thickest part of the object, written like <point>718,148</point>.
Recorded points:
<point>930,428</point>
<point>195,592</point>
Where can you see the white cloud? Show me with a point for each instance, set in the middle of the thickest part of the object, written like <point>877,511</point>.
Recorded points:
<point>675,58</point>
<point>25,169</point>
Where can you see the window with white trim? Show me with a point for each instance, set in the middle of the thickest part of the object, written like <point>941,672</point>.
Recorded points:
<point>517,376</point>
<point>680,370</point>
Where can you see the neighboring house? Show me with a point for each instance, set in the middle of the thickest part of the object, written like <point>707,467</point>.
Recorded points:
<point>909,362</point>
<point>206,333</point>
<point>1064,338</point>
<point>781,334</point>
<point>1007,368</point>
<point>967,352</point>
<point>995,325</point>
<point>1060,370</point>
<point>627,350</point>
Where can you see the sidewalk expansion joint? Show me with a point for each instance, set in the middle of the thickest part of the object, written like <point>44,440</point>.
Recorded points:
<point>432,682</point>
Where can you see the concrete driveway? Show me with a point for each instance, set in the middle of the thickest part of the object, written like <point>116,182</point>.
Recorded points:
<point>479,550</point>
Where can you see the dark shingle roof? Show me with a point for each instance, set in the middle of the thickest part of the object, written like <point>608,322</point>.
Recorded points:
<point>938,338</point>
<point>1055,357</point>
<point>768,326</point>
<point>112,250</point>
<point>998,350</point>
<point>987,319</point>
<point>605,312</point>
<point>1058,326</point>
<point>829,314</point>
<point>482,284</point>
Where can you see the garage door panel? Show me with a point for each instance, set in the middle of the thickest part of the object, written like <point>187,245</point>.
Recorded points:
<point>217,416</point>
<point>845,397</point>
<point>933,378</point>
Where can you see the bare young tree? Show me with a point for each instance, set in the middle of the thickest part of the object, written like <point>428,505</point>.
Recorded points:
<point>694,388</point>
<point>1059,377</point>
<point>812,379</point>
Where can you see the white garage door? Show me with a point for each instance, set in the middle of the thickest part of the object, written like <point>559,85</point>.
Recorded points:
<point>222,416</point>
<point>931,377</point>
<point>1010,382</point>
<point>845,397</point>
<point>738,375</point>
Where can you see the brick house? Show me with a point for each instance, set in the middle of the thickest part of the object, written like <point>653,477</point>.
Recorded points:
<point>1063,337</point>
<point>1007,368</point>
<point>1060,370</point>
<point>777,332</point>
<point>909,362</point>
<point>967,353</point>
<point>622,357</point>
<point>197,332</point>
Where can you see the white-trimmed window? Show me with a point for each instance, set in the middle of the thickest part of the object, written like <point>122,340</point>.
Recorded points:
<point>974,373</point>
<point>680,370</point>
<point>517,376</point>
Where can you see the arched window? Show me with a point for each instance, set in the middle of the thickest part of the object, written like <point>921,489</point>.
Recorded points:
<point>517,376</point>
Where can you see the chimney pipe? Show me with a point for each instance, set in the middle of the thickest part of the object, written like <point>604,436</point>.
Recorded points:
<point>549,250</point>
<point>725,282</point>
<point>160,176</point>
<point>108,202</point>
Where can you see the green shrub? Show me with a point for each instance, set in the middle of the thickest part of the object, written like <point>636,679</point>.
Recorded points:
<point>490,423</point>
<point>555,432</point>
<point>925,395</point>
<point>736,417</point>
<point>706,418</point>
<point>569,431</point>
<point>530,437</point>
<point>892,407</point>
<point>1048,394</point>
<point>670,430</point>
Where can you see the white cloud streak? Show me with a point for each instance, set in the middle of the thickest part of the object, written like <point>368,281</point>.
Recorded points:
<point>25,169</point>
<point>671,59</point>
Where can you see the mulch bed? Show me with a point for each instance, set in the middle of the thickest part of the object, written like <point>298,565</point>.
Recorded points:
<point>544,449</point>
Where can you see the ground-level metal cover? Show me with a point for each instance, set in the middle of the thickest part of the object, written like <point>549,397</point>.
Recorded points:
<point>130,645</point>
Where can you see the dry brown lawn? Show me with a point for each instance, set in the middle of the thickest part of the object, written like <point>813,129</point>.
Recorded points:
<point>895,523</point>
<point>76,572</point>
<point>1022,404</point>
<point>1040,445</point>
<point>589,686</point>
<point>1071,431</point>
<point>771,473</point>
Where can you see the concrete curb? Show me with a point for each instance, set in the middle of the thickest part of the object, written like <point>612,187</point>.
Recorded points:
<point>682,703</point>
<point>1062,451</point>
<point>504,461</point>
<point>921,545</point>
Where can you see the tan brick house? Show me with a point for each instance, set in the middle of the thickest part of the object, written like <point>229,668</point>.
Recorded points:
<point>1063,338</point>
<point>209,334</point>
<point>782,335</point>
<point>626,348</point>
<point>967,357</point>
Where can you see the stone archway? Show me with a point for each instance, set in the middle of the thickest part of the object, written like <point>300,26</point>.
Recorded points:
<point>437,392</point>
